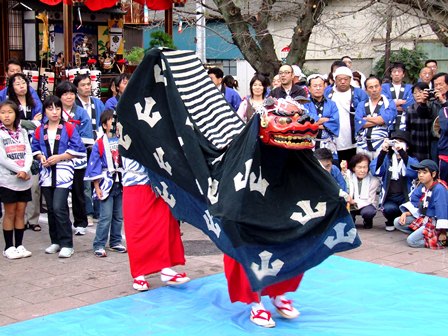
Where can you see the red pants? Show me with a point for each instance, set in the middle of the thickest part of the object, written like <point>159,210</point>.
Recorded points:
<point>239,286</point>
<point>152,233</point>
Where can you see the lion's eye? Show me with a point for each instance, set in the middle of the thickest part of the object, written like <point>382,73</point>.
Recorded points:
<point>284,120</point>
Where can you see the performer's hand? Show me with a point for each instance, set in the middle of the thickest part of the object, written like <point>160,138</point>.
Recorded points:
<point>38,117</point>
<point>385,145</point>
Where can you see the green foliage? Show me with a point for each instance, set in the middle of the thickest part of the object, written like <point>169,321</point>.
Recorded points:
<point>135,55</point>
<point>414,61</point>
<point>101,47</point>
<point>161,39</point>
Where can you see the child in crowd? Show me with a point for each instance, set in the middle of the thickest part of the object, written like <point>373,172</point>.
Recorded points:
<point>15,182</point>
<point>362,188</point>
<point>393,166</point>
<point>325,158</point>
<point>105,170</point>
<point>55,144</point>
<point>425,216</point>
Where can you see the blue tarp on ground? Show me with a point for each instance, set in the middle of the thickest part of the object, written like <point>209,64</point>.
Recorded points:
<point>339,297</point>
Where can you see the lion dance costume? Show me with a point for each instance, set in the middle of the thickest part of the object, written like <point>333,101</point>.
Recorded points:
<point>256,190</point>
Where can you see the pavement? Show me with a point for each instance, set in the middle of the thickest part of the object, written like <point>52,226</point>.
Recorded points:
<point>44,284</point>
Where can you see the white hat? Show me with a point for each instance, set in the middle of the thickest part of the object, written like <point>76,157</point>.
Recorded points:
<point>342,71</point>
<point>297,71</point>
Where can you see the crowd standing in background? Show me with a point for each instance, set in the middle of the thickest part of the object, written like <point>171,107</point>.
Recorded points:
<point>385,142</point>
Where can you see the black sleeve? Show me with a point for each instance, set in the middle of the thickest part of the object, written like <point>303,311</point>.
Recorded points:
<point>404,156</point>
<point>380,159</point>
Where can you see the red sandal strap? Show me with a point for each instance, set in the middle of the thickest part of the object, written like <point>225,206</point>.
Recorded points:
<point>175,277</point>
<point>259,314</point>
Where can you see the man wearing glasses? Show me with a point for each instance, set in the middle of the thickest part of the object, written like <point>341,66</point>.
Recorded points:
<point>287,88</point>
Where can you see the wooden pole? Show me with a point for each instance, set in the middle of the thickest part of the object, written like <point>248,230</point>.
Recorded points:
<point>4,29</point>
<point>67,17</point>
<point>169,21</point>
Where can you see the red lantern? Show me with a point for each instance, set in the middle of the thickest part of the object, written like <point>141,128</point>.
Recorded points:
<point>93,5</point>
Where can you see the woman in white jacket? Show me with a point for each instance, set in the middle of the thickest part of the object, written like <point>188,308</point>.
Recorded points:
<point>15,182</point>
<point>363,189</point>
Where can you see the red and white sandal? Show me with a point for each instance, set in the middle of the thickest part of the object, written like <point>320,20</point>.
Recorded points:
<point>171,277</point>
<point>140,285</point>
<point>261,317</point>
<point>284,307</point>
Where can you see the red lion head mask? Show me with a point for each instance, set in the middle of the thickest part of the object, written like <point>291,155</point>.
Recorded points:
<point>285,123</point>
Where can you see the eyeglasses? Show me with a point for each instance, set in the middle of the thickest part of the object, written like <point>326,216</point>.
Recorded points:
<point>284,72</point>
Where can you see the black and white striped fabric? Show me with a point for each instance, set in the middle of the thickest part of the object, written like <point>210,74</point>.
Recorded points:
<point>277,212</point>
<point>204,102</point>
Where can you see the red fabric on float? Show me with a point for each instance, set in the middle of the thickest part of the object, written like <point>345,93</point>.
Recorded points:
<point>95,5</point>
<point>157,4</point>
<point>51,2</point>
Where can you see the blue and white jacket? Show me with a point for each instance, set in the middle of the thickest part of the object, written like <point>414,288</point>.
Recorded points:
<point>134,173</point>
<point>437,206</point>
<point>371,138</point>
<point>61,174</point>
<point>97,107</point>
<point>81,120</point>
<point>101,167</point>
<point>385,173</point>
<point>405,93</point>
<point>331,127</point>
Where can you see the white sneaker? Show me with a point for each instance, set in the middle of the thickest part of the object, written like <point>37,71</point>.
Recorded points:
<point>24,252</point>
<point>66,252</point>
<point>390,228</point>
<point>80,231</point>
<point>52,249</point>
<point>12,253</point>
<point>119,248</point>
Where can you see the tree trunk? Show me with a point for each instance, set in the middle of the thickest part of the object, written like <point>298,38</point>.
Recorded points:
<point>308,15</point>
<point>257,49</point>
